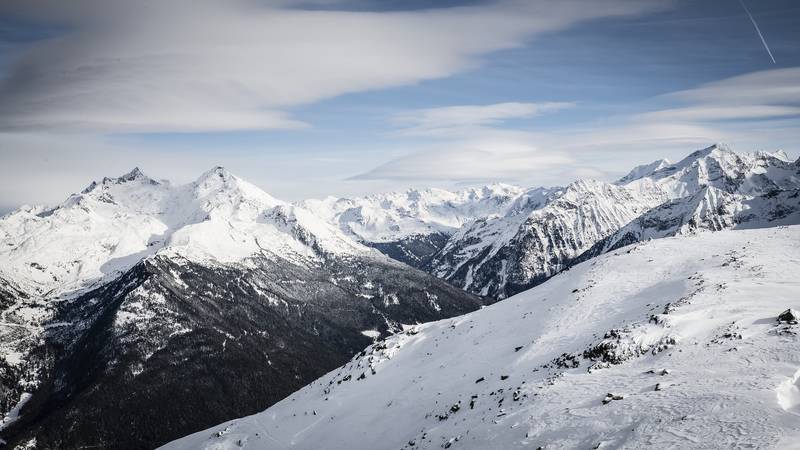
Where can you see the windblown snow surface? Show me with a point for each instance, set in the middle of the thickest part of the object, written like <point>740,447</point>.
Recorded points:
<point>671,343</point>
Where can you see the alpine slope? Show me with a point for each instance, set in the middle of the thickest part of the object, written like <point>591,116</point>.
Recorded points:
<point>680,342</point>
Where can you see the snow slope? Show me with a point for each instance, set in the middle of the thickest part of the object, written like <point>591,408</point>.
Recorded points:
<point>672,343</point>
<point>644,170</point>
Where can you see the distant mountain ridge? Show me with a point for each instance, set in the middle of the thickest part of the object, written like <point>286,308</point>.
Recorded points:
<point>533,234</point>
<point>411,226</point>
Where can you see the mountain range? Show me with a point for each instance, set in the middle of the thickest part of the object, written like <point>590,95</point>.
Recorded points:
<point>202,301</point>
<point>512,239</point>
<point>214,300</point>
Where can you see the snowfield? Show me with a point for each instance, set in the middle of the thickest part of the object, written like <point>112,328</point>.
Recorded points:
<point>671,343</point>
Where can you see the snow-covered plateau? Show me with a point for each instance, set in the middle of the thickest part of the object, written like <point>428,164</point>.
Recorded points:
<point>672,343</point>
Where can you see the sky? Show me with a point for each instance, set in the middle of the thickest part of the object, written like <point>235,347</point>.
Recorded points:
<point>323,97</point>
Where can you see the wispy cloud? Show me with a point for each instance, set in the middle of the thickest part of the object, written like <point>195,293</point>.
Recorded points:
<point>767,87</point>
<point>746,110</point>
<point>471,144</point>
<point>749,110</point>
<point>206,65</point>
<point>455,119</point>
<point>489,159</point>
<point>721,112</point>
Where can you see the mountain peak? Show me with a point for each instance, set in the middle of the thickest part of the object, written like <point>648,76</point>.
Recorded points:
<point>221,190</point>
<point>717,149</point>
<point>132,175</point>
<point>644,170</point>
<point>135,174</point>
<point>719,154</point>
<point>500,188</point>
<point>777,154</point>
<point>216,172</point>
<point>217,177</point>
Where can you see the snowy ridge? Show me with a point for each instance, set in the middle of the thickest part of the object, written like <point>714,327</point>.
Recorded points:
<point>114,223</point>
<point>674,343</point>
<point>397,215</point>
<point>721,167</point>
<point>504,255</point>
<point>710,209</point>
<point>158,286</point>
<point>501,256</point>
<point>644,170</point>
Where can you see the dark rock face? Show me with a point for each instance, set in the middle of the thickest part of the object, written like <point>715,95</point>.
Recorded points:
<point>9,293</point>
<point>416,251</point>
<point>173,347</point>
<point>789,316</point>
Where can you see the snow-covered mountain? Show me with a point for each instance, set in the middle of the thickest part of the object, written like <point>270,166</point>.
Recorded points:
<point>410,226</point>
<point>503,255</point>
<point>729,190</point>
<point>684,342</point>
<point>500,240</point>
<point>114,223</point>
<point>137,295</point>
<point>720,167</point>
<point>213,300</point>
<point>709,209</point>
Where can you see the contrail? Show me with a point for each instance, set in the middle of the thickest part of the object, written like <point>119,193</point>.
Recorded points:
<point>758,30</point>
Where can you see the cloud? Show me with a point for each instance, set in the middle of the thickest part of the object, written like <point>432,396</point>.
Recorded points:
<point>739,107</point>
<point>766,87</point>
<point>206,65</point>
<point>486,160</point>
<point>721,112</point>
<point>454,119</point>
<point>474,148</point>
<point>746,110</point>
